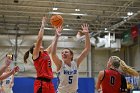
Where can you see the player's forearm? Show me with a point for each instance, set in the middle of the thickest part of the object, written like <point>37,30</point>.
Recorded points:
<point>87,42</point>
<point>2,69</point>
<point>4,76</point>
<point>41,33</point>
<point>54,44</point>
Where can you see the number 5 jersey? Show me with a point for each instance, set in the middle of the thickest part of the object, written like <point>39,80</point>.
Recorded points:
<point>68,78</point>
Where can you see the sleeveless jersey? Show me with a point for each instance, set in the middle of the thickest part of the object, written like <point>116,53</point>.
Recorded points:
<point>68,78</point>
<point>43,65</point>
<point>6,82</point>
<point>111,82</point>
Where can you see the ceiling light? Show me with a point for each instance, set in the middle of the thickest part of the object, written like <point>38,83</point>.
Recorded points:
<point>55,13</point>
<point>55,8</point>
<point>130,13</point>
<point>78,14</point>
<point>67,29</point>
<point>77,9</point>
<point>53,28</point>
<point>48,28</point>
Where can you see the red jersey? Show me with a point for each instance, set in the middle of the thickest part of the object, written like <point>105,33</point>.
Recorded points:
<point>43,65</point>
<point>111,82</point>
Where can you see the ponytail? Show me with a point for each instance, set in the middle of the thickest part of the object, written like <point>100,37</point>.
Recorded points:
<point>128,69</point>
<point>26,55</point>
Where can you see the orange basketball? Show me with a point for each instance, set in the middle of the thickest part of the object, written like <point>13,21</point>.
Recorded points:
<point>56,20</point>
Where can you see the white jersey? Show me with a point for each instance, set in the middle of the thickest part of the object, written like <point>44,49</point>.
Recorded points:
<point>68,78</point>
<point>6,85</point>
<point>6,81</point>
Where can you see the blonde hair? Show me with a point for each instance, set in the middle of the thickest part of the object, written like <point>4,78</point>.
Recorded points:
<point>126,68</point>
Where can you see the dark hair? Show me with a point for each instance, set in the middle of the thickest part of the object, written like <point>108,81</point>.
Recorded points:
<point>71,52</point>
<point>26,55</point>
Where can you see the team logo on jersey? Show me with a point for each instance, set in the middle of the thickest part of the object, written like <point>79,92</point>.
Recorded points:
<point>67,72</point>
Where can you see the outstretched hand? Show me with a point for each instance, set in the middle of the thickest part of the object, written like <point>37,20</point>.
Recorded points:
<point>58,31</point>
<point>85,28</point>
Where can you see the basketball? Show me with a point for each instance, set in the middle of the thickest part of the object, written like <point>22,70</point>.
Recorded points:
<point>56,20</point>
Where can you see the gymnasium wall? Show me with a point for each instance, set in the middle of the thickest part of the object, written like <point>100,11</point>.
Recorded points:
<point>99,60</point>
<point>135,56</point>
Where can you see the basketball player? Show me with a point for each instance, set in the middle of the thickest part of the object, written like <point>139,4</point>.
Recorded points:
<point>67,68</point>
<point>4,67</point>
<point>8,83</point>
<point>42,63</point>
<point>111,80</point>
<point>6,64</point>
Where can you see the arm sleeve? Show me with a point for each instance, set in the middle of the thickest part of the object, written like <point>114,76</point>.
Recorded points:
<point>123,84</point>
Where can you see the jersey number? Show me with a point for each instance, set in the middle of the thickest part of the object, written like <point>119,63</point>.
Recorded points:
<point>7,81</point>
<point>49,63</point>
<point>70,79</point>
<point>112,80</point>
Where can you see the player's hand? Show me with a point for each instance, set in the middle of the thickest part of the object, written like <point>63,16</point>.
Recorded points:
<point>58,31</point>
<point>44,19</point>
<point>85,28</point>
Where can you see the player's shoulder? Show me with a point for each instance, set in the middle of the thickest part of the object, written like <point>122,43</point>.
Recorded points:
<point>101,73</point>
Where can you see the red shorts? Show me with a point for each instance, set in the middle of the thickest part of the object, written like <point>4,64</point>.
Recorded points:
<point>47,87</point>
